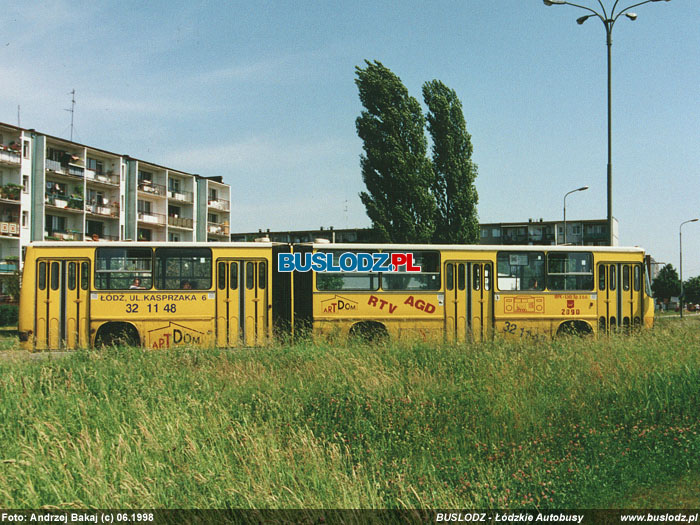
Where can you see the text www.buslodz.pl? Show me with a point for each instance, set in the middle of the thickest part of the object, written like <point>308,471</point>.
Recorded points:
<point>347,262</point>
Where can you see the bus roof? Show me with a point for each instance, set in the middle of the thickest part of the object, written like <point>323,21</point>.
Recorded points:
<point>161,244</point>
<point>476,247</point>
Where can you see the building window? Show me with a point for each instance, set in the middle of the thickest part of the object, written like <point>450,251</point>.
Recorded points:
<point>484,233</point>
<point>213,218</point>
<point>174,237</point>
<point>145,177</point>
<point>174,211</point>
<point>25,149</point>
<point>95,165</point>
<point>144,234</point>
<point>174,185</point>
<point>144,207</point>
<point>496,232</point>
<point>576,229</point>
<point>25,183</point>
<point>213,194</point>
<point>25,219</point>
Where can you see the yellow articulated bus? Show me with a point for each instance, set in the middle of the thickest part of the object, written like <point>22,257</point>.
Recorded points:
<point>157,295</point>
<point>161,295</point>
<point>475,292</point>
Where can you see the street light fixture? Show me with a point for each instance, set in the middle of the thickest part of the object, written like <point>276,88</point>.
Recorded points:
<point>608,21</point>
<point>582,188</point>
<point>680,239</point>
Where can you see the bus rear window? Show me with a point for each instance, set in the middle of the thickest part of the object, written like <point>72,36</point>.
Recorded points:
<point>183,268</point>
<point>570,271</point>
<point>123,268</point>
<point>520,271</point>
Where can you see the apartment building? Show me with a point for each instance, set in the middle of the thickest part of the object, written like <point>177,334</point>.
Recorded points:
<point>580,232</point>
<point>55,189</point>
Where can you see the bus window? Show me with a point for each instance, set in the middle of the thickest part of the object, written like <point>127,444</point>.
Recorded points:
<point>601,277</point>
<point>449,276</point>
<point>613,278</point>
<point>476,278</point>
<point>233,276</point>
<point>42,276</point>
<point>520,271</point>
<point>117,268</point>
<point>461,276</point>
<point>84,275</point>
<point>637,277</point>
<point>54,276</point>
<point>72,274</point>
<point>222,276</point>
<point>487,277</point>
<point>249,275</point>
<point>183,268</point>
<point>346,281</point>
<point>626,277</point>
<point>262,275</point>
<point>569,271</point>
<point>427,279</point>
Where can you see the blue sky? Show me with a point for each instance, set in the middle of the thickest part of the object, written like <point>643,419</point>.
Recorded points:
<point>263,94</point>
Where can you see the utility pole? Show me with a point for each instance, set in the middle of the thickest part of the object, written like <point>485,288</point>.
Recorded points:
<point>72,112</point>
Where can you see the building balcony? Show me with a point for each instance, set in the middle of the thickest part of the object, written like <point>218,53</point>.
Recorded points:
<point>101,237</point>
<point>152,218</point>
<point>102,210</point>
<point>72,203</point>
<point>151,189</point>
<point>67,235</point>
<point>219,204</point>
<point>10,192</point>
<point>180,222</point>
<point>9,228</point>
<point>181,196</point>
<point>214,228</point>
<point>69,170</point>
<point>111,179</point>
<point>9,156</point>
<point>9,265</point>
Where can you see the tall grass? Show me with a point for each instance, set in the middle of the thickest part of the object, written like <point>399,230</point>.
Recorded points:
<point>567,423</point>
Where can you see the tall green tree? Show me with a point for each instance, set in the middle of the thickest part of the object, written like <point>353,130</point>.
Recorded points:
<point>666,284</point>
<point>691,290</point>
<point>454,171</point>
<point>395,167</point>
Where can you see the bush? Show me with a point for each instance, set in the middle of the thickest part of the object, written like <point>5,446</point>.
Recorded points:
<point>9,314</point>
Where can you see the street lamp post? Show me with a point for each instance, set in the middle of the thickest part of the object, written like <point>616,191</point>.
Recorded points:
<point>608,21</point>
<point>680,244</point>
<point>583,188</point>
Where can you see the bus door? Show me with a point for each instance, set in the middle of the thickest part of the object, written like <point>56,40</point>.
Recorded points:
<point>62,303</point>
<point>620,285</point>
<point>241,302</point>
<point>468,300</point>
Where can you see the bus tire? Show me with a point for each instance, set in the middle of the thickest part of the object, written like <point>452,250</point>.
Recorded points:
<point>578,328</point>
<point>369,332</point>
<point>117,334</point>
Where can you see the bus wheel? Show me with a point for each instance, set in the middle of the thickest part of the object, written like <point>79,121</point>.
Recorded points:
<point>579,328</point>
<point>117,334</point>
<point>369,332</point>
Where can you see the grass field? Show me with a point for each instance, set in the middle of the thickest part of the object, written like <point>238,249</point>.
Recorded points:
<point>571,423</point>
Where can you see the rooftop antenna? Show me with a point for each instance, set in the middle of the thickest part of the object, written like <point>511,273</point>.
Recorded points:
<point>18,124</point>
<point>71,111</point>
<point>346,213</point>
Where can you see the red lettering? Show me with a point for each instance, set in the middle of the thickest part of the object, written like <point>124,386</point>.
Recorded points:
<point>383,303</point>
<point>397,259</point>
<point>429,308</point>
<point>372,300</point>
<point>420,304</point>
<point>410,267</point>
<point>392,307</point>
<point>409,300</point>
